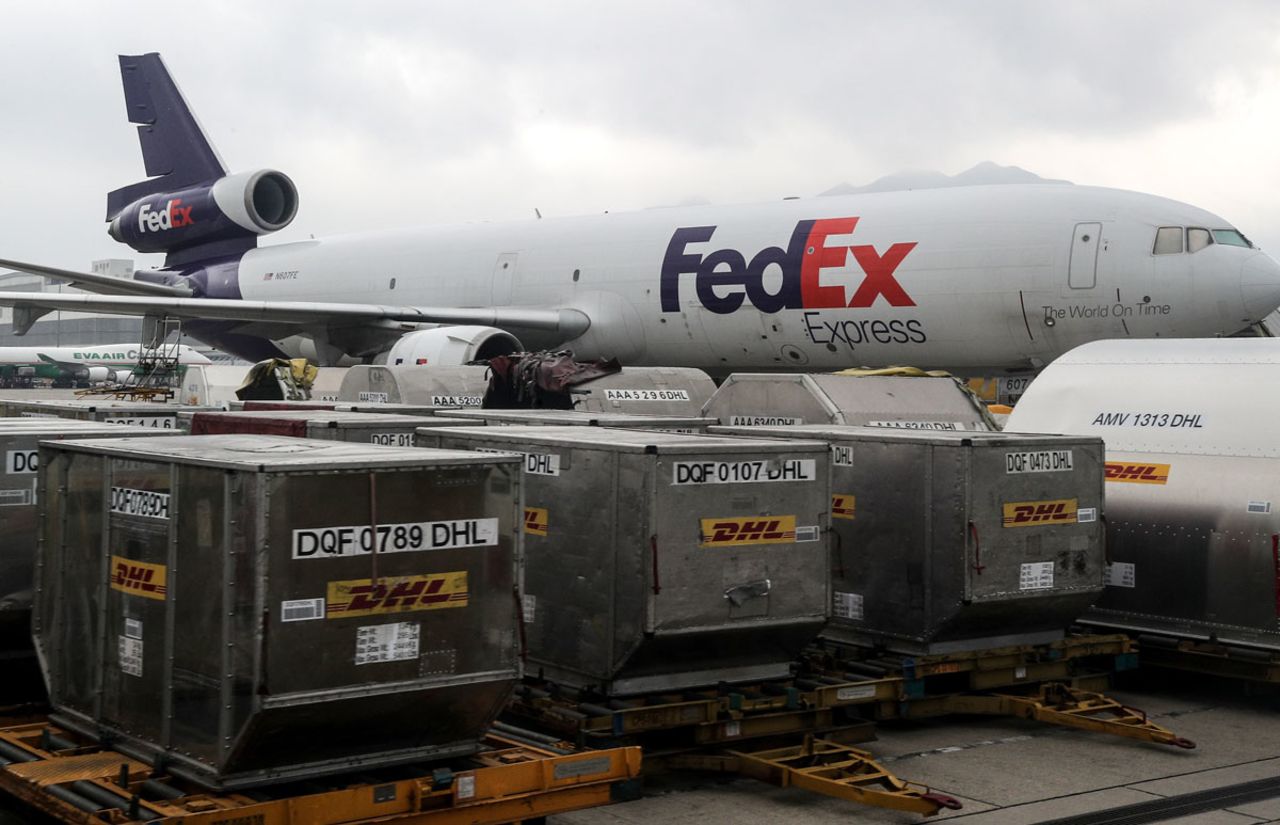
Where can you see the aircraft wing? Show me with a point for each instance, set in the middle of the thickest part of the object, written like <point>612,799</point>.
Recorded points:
<point>93,282</point>
<point>69,366</point>
<point>30,306</point>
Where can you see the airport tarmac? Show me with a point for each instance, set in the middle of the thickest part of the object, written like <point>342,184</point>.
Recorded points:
<point>1014,772</point>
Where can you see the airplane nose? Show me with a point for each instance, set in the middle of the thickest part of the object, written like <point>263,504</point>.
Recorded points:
<point>1260,285</point>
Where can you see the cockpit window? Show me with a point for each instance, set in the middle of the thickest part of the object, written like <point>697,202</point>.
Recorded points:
<point>1231,237</point>
<point>1198,239</point>
<point>1168,240</point>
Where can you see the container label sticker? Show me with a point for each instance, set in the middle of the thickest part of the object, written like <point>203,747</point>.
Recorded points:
<point>538,464</point>
<point>396,642</point>
<point>763,421</point>
<point>854,692</point>
<point>580,767</point>
<point>130,651</point>
<point>841,456</point>
<point>401,439</point>
<point>536,521</point>
<point>142,503</point>
<point>464,785</point>
<point>372,397</point>
<point>846,605</point>
<point>358,540</point>
<point>1087,515</point>
<point>21,462</point>
<point>1036,575</point>
<point>1131,473</point>
<point>919,425</point>
<point>301,610</point>
<point>39,415</point>
<point>16,498</point>
<point>843,505</point>
<point>132,628</point>
<point>646,395</point>
<point>529,608</point>
<point>151,422</point>
<point>739,472</point>
<point>1039,513</point>
<point>396,594</point>
<point>1121,574</point>
<point>1259,507</point>
<point>139,578</point>
<point>1039,461</point>
<point>1160,420</point>
<point>457,400</point>
<point>727,532</point>
<point>807,533</point>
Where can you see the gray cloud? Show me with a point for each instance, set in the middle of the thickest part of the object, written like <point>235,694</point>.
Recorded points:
<point>400,112</point>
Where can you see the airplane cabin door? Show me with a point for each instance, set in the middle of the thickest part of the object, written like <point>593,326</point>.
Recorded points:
<point>503,273</point>
<point>1082,272</point>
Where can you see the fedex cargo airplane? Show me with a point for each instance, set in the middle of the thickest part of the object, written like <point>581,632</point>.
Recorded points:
<point>978,280</point>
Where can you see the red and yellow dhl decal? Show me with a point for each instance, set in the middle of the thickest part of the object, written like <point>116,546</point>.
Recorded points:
<point>1039,513</point>
<point>536,521</point>
<point>1137,473</point>
<point>139,578</point>
<point>725,532</point>
<point>843,506</point>
<point>396,594</point>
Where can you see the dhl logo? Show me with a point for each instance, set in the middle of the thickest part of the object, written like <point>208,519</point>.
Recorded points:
<point>1036,513</point>
<point>726,532</point>
<point>1137,473</point>
<point>138,578</point>
<point>843,506</point>
<point>536,521</point>
<point>396,594</point>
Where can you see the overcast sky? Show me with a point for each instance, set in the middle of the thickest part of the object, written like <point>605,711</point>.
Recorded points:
<point>394,114</point>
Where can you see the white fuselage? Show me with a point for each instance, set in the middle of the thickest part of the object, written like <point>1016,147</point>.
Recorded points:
<point>969,278</point>
<point>96,355</point>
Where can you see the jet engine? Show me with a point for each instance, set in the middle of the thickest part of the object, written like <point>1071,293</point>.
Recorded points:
<point>235,206</point>
<point>451,346</point>
<point>97,375</point>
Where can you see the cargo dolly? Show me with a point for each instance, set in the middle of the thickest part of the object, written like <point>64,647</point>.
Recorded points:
<point>1211,658</point>
<point>514,778</point>
<point>829,704</point>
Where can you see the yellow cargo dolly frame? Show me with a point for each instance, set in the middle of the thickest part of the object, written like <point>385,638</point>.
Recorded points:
<point>511,781</point>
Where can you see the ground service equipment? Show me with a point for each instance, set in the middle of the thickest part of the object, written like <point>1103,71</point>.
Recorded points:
<point>913,403</point>
<point>947,541</point>
<point>1193,509</point>
<point>212,603</point>
<point>659,561</point>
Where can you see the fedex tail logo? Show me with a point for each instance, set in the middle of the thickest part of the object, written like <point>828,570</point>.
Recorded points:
<point>724,279</point>
<point>172,216</point>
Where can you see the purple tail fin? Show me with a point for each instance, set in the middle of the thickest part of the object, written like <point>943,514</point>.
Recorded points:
<point>175,151</point>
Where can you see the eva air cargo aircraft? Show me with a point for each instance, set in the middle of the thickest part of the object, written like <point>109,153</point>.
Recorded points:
<point>78,365</point>
<point>984,280</point>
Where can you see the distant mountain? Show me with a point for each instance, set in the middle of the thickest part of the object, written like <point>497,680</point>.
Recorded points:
<point>983,174</point>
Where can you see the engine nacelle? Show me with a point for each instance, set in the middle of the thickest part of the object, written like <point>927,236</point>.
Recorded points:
<point>236,206</point>
<point>451,346</point>
<point>99,374</point>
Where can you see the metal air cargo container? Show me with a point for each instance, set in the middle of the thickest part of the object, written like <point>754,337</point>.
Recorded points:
<point>460,386</point>
<point>946,541</point>
<point>643,390</point>
<point>574,418</point>
<point>362,428</point>
<point>18,514</point>
<point>213,603</point>
<point>1193,479</point>
<point>142,414</point>
<point>659,561</point>
<point>912,403</point>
